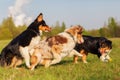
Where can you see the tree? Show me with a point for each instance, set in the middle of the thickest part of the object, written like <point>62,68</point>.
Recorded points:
<point>5,34</point>
<point>8,29</point>
<point>57,28</point>
<point>112,25</point>
<point>63,27</point>
<point>104,32</point>
<point>9,24</point>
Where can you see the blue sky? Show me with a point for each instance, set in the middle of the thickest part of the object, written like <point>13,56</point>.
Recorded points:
<point>91,14</point>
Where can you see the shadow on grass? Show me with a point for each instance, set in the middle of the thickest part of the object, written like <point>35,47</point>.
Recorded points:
<point>63,62</point>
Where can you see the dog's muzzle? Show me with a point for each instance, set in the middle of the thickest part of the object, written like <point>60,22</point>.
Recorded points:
<point>105,57</point>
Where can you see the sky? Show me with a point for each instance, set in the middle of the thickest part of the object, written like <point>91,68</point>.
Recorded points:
<point>91,14</point>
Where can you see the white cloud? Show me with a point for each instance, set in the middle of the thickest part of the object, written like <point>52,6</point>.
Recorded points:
<point>16,11</point>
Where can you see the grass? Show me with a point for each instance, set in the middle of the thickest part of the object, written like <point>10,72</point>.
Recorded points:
<point>67,70</point>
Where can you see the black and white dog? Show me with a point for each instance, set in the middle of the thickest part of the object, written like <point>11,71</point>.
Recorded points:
<point>18,49</point>
<point>99,46</point>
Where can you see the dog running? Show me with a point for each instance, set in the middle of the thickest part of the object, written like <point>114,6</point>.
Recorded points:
<point>57,47</point>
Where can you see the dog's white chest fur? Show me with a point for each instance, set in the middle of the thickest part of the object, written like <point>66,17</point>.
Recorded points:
<point>25,51</point>
<point>34,41</point>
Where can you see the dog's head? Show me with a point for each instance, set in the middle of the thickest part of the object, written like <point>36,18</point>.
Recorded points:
<point>105,48</point>
<point>42,25</point>
<point>76,32</point>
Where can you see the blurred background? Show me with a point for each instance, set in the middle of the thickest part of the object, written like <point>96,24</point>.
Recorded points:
<point>98,18</point>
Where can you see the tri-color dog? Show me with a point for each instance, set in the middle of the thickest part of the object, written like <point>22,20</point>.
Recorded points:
<point>18,49</point>
<point>99,46</point>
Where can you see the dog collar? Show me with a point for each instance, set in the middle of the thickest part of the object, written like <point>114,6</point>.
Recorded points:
<point>34,31</point>
<point>71,36</point>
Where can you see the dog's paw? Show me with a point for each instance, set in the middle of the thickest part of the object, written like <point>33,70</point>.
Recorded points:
<point>76,62</point>
<point>80,55</point>
<point>47,64</point>
<point>85,62</point>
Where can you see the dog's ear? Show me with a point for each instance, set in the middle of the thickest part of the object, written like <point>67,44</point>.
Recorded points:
<point>104,43</point>
<point>100,43</point>
<point>109,43</point>
<point>40,17</point>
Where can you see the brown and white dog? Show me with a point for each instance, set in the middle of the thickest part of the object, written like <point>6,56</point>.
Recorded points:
<point>58,47</point>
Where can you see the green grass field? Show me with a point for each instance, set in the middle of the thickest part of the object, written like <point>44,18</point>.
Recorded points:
<point>67,70</point>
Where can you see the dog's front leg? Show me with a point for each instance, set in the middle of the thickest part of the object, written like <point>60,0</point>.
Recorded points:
<point>56,59</point>
<point>75,59</point>
<point>27,59</point>
<point>26,56</point>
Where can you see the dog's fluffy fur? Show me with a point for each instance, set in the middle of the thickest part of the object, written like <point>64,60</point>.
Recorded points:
<point>99,46</point>
<point>18,49</point>
<point>58,47</point>
<point>41,54</point>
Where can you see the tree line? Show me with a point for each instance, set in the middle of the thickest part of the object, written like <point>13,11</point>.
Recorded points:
<point>8,30</point>
<point>111,29</point>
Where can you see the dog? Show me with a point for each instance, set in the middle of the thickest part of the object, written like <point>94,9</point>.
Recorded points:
<point>18,49</point>
<point>99,46</point>
<point>41,54</point>
<point>57,47</point>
